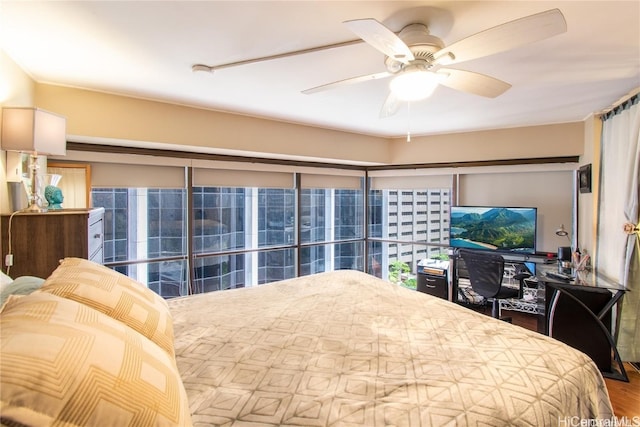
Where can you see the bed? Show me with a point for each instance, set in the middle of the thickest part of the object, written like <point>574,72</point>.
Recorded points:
<point>92,347</point>
<point>346,348</point>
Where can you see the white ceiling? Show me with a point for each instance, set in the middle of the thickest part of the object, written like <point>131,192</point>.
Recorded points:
<point>146,49</point>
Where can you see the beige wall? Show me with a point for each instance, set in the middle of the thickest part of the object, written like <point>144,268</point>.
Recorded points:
<point>515,143</point>
<point>17,89</point>
<point>587,202</point>
<point>545,189</point>
<point>101,115</point>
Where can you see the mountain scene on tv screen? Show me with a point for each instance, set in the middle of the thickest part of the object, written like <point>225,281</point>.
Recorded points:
<point>497,228</point>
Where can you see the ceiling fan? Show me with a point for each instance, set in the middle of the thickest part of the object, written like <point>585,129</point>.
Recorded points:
<point>417,60</point>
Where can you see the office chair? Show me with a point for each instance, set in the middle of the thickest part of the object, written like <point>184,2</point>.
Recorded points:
<point>486,271</point>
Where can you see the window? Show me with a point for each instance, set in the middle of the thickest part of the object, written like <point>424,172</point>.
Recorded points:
<point>245,224</point>
<point>246,215</point>
<point>422,229</point>
<point>145,221</point>
<point>218,226</point>
<point>146,224</point>
<point>331,223</point>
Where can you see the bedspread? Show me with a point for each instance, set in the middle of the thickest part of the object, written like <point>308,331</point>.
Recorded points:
<point>346,348</point>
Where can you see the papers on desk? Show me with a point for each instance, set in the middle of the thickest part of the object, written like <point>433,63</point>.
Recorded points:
<point>436,267</point>
<point>434,263</point>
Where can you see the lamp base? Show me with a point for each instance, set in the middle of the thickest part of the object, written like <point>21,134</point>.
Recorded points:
<point>34,208</point>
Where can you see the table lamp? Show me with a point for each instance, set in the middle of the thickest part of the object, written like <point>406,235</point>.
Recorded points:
<point>562,232</point>
<point>37,132</point>
<point>565,253</point>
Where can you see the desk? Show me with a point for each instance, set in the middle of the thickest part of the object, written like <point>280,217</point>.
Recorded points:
<point>579,313</point>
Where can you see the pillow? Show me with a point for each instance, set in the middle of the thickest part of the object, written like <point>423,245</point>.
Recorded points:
<point>4,280</point>
<point>116,295</point>
<point>23,285</point>
<point>64,363</point>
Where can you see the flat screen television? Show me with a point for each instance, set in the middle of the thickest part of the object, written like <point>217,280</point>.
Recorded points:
<point>504,229</point>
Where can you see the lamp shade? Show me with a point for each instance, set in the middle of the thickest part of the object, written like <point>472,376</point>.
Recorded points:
<point>561,231</point>
<point>33,130</point>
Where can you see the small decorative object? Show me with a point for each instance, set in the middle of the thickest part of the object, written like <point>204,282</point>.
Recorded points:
<point>54,196</point>
<point>585,178</point>
<point>629,228</point>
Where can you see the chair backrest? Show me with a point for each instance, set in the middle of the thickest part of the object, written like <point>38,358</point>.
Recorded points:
<point>485,269</point>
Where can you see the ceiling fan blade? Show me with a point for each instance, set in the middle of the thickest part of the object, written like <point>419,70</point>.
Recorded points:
<point>505,37</point>
<point>390,106</point>
<point>382,38</point>
<point>476,83</point>
<point>348,81</point>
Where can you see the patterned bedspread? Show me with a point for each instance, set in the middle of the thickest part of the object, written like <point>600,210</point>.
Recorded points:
<point>346,348</point>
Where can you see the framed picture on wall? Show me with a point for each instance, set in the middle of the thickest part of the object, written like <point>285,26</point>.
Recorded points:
<point>585,178</point>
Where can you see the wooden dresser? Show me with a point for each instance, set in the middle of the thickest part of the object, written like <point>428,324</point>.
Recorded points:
<point>40,240</point>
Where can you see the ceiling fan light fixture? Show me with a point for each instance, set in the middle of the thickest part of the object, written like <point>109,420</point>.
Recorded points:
<point>413,85</point>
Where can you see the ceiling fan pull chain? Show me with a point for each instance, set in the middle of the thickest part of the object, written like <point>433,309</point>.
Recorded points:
<point>408,121</point>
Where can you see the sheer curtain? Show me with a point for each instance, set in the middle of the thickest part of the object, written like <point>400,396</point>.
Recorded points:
<point>617,254</point>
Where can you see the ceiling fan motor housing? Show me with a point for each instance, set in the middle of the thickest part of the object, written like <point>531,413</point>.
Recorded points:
<point>421,43</point>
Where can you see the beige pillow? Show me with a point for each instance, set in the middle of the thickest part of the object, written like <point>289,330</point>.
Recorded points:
<point>64,363</point>
<point>116,295</point>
